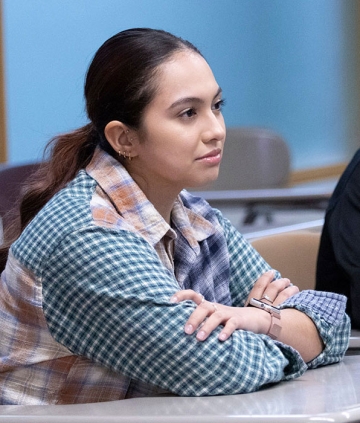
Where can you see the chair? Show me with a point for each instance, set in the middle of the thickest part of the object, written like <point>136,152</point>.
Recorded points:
<point>293,254</point>
<point>12,179</point>
<point>254,158</point>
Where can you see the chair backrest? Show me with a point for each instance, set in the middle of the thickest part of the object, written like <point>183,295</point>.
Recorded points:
<point>12,179</point>
<point>293,254</point>
<point>254,158</point>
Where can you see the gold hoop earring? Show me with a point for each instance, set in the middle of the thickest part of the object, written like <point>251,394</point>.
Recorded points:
<point>125,155</point>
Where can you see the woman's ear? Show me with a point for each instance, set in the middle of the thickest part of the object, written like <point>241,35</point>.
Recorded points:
<point>120,138</point>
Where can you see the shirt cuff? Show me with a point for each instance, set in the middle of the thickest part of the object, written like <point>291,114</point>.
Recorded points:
<point>327,311</point>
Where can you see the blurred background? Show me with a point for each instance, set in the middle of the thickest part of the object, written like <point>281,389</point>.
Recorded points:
<point>288,65</point>
<point>291,65</point>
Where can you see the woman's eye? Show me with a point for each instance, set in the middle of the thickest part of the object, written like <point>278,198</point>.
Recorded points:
<point>219,105</point>
<point>188,113</point>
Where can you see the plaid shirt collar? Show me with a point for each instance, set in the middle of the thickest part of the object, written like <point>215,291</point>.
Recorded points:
<point>132,204</point>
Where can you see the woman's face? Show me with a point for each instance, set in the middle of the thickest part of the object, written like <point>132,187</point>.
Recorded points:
<point>183,132</point>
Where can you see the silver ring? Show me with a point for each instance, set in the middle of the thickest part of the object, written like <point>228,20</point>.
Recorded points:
<point>266,297</point>
<point>202,299</point>
<point>215,307</point>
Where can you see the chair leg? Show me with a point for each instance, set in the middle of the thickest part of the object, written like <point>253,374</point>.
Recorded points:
<point>252,213</point>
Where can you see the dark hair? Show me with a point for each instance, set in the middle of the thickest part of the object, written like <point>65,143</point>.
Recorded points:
<point>131,59</point>
<point>120,82</point>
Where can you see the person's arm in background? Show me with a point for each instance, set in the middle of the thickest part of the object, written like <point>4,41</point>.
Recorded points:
<point>338,265</point>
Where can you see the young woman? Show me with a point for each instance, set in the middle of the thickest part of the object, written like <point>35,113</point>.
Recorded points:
<point>122,284</point>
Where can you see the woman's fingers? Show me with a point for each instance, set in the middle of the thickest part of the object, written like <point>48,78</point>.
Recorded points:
<point>230,326</point>
<point>232,319</point>
<point>261,285</point>
<point>286,293</point>
<point>203,310</point>
<point>274,289</point>
<point>187,294</point>
<point>199,315</point>
<point>216,319</point>
<point>208,316</point>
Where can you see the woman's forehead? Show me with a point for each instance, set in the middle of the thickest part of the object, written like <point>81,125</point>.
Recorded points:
<point>186,74</point>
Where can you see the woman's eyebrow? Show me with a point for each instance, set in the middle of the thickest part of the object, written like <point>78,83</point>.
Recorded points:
<point>185,100</point>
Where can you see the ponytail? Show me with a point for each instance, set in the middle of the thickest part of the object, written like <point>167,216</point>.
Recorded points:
<point>68,153</point>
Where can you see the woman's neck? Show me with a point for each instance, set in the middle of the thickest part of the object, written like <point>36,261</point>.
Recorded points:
<point>162,197</point>
<point>162,204</point>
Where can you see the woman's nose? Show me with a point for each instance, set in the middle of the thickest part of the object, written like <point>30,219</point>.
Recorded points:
<point>214,129</point>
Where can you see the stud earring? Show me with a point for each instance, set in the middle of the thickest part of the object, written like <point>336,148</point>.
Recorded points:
<point>128,132</point>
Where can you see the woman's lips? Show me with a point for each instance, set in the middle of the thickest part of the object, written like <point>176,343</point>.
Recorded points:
<point>214,157</point>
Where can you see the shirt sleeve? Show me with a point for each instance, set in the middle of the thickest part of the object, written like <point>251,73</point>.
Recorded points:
<point>327,310</point>
<point>246,264</point>
<point>106,296</point>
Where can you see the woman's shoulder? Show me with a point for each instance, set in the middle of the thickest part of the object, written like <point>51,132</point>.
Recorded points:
<point>70,206</point>
<point>66,212</point>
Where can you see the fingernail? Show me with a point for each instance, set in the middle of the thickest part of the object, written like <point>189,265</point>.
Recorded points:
<point>189,329</point>
<point>223,336</point>
<point>201,335</point>
<point>174,299</point>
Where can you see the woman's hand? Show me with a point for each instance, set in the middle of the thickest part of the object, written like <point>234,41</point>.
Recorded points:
<point>208,316</point>
<point>272,291</point>
<point>298,330</point>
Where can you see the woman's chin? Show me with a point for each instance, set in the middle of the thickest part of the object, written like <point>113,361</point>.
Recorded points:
<point>201,184</point>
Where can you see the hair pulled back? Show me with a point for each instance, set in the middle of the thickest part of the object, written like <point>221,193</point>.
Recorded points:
<point>120,82</point>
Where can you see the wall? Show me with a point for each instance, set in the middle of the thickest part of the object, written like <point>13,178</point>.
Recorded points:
<point>3,152</point>
<point>282,64</point>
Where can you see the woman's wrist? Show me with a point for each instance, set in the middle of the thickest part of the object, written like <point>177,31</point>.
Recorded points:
<point>274,314</point>
<point>275,326</point>
<point>265,322</point>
